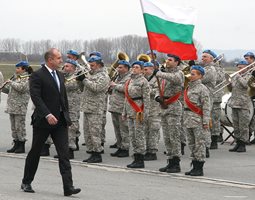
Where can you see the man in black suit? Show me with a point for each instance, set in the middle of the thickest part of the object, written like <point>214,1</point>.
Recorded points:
<point>50,117</point>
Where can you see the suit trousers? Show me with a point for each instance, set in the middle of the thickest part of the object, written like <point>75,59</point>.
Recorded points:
<point>59,135</point>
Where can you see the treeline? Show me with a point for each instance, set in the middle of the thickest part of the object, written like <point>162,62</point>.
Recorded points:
<point>12,50</point>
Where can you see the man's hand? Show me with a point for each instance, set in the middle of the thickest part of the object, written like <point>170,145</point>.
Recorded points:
<point>52,120</point>
<point>155,72</point>
<point>253,73</point>
<point>80,77</point>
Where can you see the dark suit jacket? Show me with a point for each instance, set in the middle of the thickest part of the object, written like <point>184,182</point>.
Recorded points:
<point>47,98</point>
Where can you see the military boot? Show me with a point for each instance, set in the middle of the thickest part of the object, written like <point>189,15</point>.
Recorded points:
<point>198,169</point>
<point>123,153</point>
<point>114,146</point>
<point>193,168</point>
<point>169,164</point>
<point>207,152</point>
<point>77,144</point>
<point>214,144</point>
<point>175,168</point>
<point>71,154</point>
<point>21,147</point>
<point>235,147</point>
<point>138,161</point>
<point>116,153</point>
<point>150,156</point>
<point>220,138</point>
<point>241,148</point>
<point>45,150</point>
<point>94,158</point>
<point>15,146</point>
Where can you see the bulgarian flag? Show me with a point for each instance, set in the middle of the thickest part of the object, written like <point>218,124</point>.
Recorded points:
<point>170,29</point>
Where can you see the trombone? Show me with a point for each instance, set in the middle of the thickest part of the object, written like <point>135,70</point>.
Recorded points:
<point>228,78</point>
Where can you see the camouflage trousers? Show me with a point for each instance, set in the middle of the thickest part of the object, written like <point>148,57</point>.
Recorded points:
<point>216,112</point>
<point>152,133</point>
<point>252,125</point>
<point>73,130</point>
<point>241,123</point>
<point>136,131</point>
<point>18,127</point>
<point>92,126</point>
<point>121,131</point>
<point>103,127</point>
<point>183,134</point>
<point>196,140</point>
<point>171,133</point>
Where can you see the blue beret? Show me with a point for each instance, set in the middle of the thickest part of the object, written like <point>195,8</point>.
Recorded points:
<point>153,51</point>
<point>73,52</point>
<point>214,55</point>
<point>148,64</point>
<point>177,58</point>
<point>95,53</point>
<point>94,59</point>
<point>22,64</point>
<point>73,62</point>
<point>242,62</point>
<point>199,68</point>
<point>124,62</point>
<point>249,54</point>
<point>141,63</point>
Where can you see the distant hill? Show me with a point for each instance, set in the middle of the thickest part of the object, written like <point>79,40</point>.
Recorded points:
<point>233,54</point>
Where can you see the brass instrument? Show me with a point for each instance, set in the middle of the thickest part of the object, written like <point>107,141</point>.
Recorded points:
<point>218,58</point>
<point>228,78</point>
<point>77,74</point>
<point>23,76</point>
<point>144,58</point>
<point>251,86</point>
<point>82,62</point>
<point>112,72</point>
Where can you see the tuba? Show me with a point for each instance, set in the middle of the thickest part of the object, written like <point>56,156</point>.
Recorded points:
<point>112,72</point>
<point>144,58</point>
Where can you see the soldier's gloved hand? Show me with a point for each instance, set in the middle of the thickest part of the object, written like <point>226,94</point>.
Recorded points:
<point>80,77</point>
<point>191,63</point>
<point>253,73</point>
<point>155,72</point>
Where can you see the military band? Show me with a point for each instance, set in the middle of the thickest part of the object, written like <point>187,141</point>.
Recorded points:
<point>182,99</point>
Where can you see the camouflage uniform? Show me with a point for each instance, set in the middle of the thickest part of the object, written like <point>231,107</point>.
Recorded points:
<point>198,94</point>
<point>217,98</point>
<point>116,105</point>
<point>104,119</point>
<point>1,83</point>
<point>171,117</point>
<point>152,124</point>
<point>209,80</point>
<point>93,103</point>
<point>138,88</point>
<point>17,101</point>
<point>74,97</point>
<point>239,102</point>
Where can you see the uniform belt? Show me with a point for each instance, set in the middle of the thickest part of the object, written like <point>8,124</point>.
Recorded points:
<point>187,109</point>
<point>137,98</point>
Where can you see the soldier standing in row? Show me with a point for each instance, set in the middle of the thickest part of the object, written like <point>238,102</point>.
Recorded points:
<point>73,91</point>
<point>152,124</point>
<point>209,80</point>
<point>116,105</point>
<point>172,84</point>
<point>136,111</point>
<point>93,102</point>
<point>17,101</point>
<point>239,102</point>
<point>196,119</point>
<point>1,83</point>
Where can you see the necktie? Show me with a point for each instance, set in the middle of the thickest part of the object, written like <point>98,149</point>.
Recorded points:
<point>55,78</point>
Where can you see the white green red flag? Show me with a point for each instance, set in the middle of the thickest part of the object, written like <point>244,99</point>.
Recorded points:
<point>170,29</point>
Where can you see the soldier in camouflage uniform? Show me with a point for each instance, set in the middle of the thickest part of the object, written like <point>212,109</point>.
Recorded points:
<point>73,91</point>
<point>196,119</point>
<point>239,102</point>
<point>152,124</point>
<point>93,102</point>
<point>172,84</point>
<point>209,80</point>
<point>216,108</point>
<point>1,82</point>
<point>116,105</point>
<point>17,101</point>
<point>136,110</point>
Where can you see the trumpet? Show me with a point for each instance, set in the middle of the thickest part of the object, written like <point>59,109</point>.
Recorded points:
<point>228,78</point>
<point>79,73</point>
<point>218,58</point>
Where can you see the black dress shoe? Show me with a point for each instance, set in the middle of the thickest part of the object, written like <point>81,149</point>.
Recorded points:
<point>71,190</point>
<point>27,188</point>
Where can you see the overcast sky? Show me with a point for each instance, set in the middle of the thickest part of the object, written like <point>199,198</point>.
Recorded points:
<point>221,24</point>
